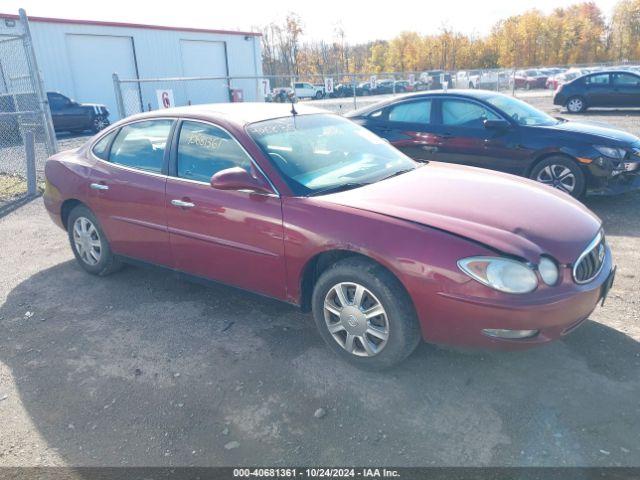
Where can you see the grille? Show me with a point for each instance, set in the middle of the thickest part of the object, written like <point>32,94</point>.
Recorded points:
<point>590,262</point>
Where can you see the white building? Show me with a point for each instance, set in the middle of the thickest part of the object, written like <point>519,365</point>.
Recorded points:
<point>78,58</point>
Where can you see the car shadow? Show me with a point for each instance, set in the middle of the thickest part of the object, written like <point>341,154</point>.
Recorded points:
<point>608,112</point>
<point>140,368</point>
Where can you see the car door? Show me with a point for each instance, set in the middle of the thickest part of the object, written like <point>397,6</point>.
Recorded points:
<point>127,189</point>
<point>406,126</point>
<point>235,237</point>
<point>626,88</point>
<point>598,91</point>
<point>464,138</point>
<point>57,105</point>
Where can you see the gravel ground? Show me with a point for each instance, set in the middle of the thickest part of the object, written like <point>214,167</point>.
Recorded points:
<point>141,368</point>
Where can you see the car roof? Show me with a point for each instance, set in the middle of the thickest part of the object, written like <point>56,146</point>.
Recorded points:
<point>241,113</point>
<point>475,94</point>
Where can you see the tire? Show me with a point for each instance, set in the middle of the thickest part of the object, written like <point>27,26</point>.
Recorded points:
<point>98,124</point>
<point>318,95</point>
<point>576,104</point>
<point>471,85</point>
<point>551,170</point>
<point>106,262</point>
<point>398,318</point>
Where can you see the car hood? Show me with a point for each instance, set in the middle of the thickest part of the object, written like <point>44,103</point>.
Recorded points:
<point>507,213</point>
<point>596,132</point>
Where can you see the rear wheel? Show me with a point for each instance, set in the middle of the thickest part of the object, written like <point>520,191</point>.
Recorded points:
<point>561,173</point>
<point>364,314</point>
<point>318,95</point>
<point>89,244</point>
<point>576,105</point>
<point>98,124</point>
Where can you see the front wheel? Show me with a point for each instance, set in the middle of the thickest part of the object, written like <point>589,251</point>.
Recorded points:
<point>99,124</point>
<point>561,173</point>
<point>89,244</point>
<point>364,314</point>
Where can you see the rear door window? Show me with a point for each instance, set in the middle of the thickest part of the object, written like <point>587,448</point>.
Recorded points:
<point>142,145</point>
<point>600,79</point>
<point>411,112</point>
<point>204,150</point>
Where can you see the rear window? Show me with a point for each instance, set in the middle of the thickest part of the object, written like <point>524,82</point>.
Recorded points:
<point>101,149</point>
<point>411,112</point>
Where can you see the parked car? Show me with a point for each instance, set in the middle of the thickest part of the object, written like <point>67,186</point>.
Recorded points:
<point>499,132</point>
<point>402,86</point>
<point>17,110</point>
<point>71,116</point>
<point>615,88</point>
<point>529,79</point>
<point>308,90</point>
<point>382,87</point>
<point>555,81</point>
<point>383,251</point>
<point>468,79</point>
<point>432,79</point>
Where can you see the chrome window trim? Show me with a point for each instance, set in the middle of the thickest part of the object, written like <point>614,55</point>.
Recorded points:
<point>119,127</point>
<point>251,159</point>
<point>585,252</point>
<point>162,175</point>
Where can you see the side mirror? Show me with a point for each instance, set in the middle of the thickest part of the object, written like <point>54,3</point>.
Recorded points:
<point>237,178</point>
<point>496,124</point>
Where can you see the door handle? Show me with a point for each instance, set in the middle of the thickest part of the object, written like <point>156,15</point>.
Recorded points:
<point>99,186</point>
<point>181,203</point>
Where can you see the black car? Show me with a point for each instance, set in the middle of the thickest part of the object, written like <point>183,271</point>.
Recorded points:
<point>490,130</point>
<point>612,88</point>
<point>71,116</point>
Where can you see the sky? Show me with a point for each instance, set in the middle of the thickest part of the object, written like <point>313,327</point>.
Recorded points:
<point>362,21</point>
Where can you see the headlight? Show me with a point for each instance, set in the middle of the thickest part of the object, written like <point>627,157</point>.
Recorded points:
<point>611,152</point>
<point>502,274</point>
<point>548,271</point>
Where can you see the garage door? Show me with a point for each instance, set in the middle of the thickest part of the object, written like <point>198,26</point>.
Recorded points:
<point>93,60</point>
<point>202,58</point>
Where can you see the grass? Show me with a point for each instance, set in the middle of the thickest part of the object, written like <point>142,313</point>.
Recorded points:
<point>13,187</point>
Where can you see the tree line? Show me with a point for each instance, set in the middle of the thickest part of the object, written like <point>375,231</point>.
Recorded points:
<point>578,34</point>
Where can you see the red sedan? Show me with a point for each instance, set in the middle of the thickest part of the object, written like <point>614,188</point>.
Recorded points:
<point>312,209</point>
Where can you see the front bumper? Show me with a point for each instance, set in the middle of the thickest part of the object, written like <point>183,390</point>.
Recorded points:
<point>459,320</point>
<point>617,185</point>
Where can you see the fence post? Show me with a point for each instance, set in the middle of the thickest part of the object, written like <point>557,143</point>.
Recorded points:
<point>38,86</point>
<point>118,92</point>
<point>513,82</point>
<point>353,87</point>
<point>30,154</point>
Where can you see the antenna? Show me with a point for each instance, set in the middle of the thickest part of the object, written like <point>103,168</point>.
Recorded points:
<point>292,98</point>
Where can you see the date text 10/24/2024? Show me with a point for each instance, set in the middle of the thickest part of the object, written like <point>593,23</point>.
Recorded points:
<point>315,473</point>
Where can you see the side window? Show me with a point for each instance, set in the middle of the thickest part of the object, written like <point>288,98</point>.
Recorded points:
<point>204,150</point>
<point>101,148</point>
<point>56,102</point>
<point>141,145</point>
<point>625,80</point>
<point>411,112</point>
<point>299,85</point>
<point>461,113</point>
<point>598,79</point>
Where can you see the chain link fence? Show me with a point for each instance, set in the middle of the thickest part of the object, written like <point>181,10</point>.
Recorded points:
<point>339,92</point>
<point>26,132</point>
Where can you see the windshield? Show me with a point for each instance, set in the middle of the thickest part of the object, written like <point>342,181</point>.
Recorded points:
<point>521,112</point>
<point>318,153</point>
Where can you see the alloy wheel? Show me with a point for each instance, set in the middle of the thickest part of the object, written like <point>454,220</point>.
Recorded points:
<point>356,319</point>
<point>87,241</point>
<point>574,105</point>
<point>558,176</point>
<point>100,124</point>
